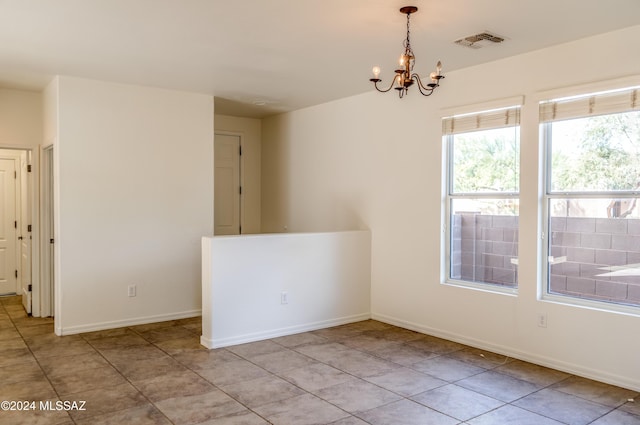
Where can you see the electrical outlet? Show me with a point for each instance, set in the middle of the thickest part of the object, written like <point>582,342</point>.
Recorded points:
<point>131,290</point>
<point>284,298</point>
<point>542,320</point>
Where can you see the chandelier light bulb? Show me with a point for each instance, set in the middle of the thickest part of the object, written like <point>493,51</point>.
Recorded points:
<point>434,77</point>
<point>376,72</point>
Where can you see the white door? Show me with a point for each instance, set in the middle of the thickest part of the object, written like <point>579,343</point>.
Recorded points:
<point>8,224</point>
<point>25,240</point>
<point>227,190</point>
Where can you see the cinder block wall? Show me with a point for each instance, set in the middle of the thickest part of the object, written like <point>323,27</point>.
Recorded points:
<point>588,254</point>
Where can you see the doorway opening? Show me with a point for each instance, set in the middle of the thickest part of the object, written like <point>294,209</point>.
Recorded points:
<point>227,181</point>
<point>18,219</point>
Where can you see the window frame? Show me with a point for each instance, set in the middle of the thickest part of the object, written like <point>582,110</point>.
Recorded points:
<point>515,103</point>
<point>548,195</point>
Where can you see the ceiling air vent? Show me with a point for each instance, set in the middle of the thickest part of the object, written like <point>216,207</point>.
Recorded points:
<point>479,40</point>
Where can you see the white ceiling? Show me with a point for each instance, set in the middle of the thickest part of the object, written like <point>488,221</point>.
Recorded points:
<point>288,54</point>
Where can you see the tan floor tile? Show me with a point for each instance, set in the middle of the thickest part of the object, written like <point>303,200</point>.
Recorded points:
<point>316,377</point>
<point>446,368</point>
<point>366,342</point>
<point>18,356</point>
<point>617,417</point>
<point>8,345</point>
<point>37,330</point>
<point>299,339</point>
<point>562,407</point>
<point>338,334</point>
<point>140,415</point>
<point>402,354</point>
<point>138,370</point>
<point>172,385</point>
<point>46,340</point>
<point>198,408</point>
<point>165,334</point>
<point>67,364</point>
<point>436,345</point>
<point>357,396</point>
<point>281,361</point>
<point>598,392</point>
<point>410,412</point>
<point>232,372</point>
<point>253,349</point>
<point>257,392</point>
<point>512,415</point>
<point>89,336</point>
<point>301,410</point>
<point>194,328</point>
<point>361,364</point>
<point>35,417</point>
<point>457,402</point>
<point>124,340</point>
<point>406,382</point>
<point>106,400</point>
<point>205,359</point>
<point>244,418</point>
<point>20,372</point>
<point>499,386</point>
<point>73,381</point>
<point>197,320</point>
<point>33,390</point>
<point>61,349</point>
<point>539,375</point>
<point>394,334</point>
<point>323,352</point>
<point>118,355</point>
<point>8,333</point>
<point>119,371</point>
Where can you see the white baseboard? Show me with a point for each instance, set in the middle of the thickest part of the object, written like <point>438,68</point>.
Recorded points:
<point>560,365</point>
<point>274,333</point>
<point>92,327</point>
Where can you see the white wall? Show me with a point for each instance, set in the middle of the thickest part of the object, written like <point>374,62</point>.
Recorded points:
<point>376,161</point>
<point>250,130</point>
<point>327,278</point>
<point>134,197</point>
<point>20,118</point>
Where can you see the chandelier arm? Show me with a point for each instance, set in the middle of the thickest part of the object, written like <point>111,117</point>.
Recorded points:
<point>376,81</point>
<point>422,87</point>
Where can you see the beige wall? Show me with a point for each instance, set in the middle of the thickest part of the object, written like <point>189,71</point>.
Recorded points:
<point>134,197</point>
<point>376,161</point>
<point>250,130</point>
<point>20,118</point>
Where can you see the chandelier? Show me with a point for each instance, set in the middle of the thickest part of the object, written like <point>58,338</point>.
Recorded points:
<point>405,77</point>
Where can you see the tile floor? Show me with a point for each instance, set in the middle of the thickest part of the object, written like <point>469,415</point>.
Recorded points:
<point>363,373</point>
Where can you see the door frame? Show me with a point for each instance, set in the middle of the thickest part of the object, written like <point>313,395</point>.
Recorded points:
<point>34,216</point>
<point>14,157</point>
<point>46,291</point>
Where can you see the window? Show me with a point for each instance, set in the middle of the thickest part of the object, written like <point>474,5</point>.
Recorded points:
<point>483,173</point>
<point>592,215</point>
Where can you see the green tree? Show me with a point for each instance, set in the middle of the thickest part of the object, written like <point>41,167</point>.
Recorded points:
<point>604,155</point>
